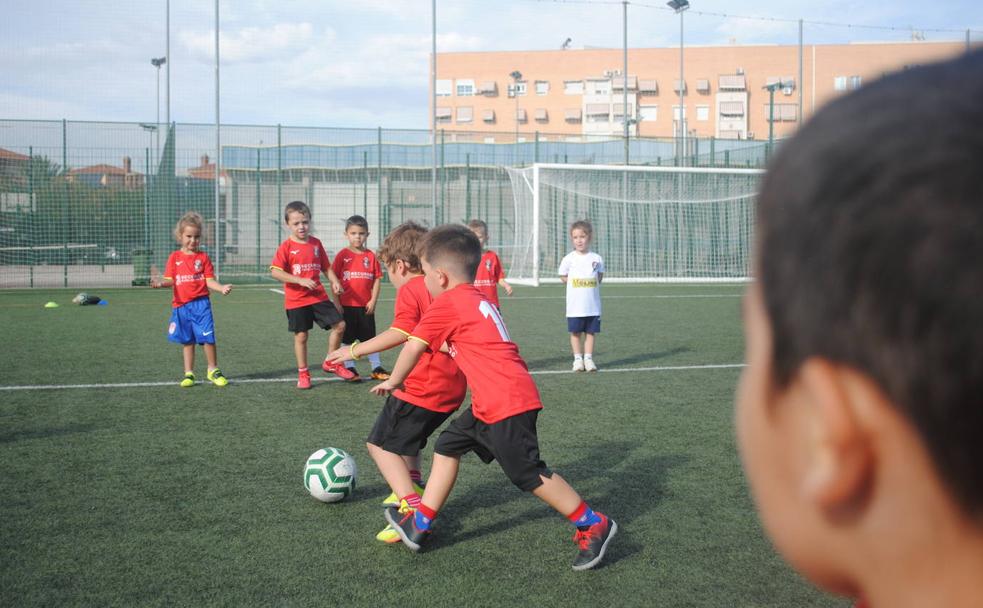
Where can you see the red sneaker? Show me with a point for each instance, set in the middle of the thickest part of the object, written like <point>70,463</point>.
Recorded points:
<point>304,380</point>
<point>593,542</point>
<point>341,371</point>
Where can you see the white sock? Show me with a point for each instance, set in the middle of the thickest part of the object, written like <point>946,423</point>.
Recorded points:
<point>588,357</point>
<point>375,361</point>
<point>578,357</point>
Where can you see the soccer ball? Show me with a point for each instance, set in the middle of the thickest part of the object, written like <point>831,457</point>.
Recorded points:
<point>330,474</point>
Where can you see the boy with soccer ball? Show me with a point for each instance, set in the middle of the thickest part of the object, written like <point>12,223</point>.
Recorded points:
<point>859,412</point>
<point>298,264</point>
<point>431,392</point>
<point>501,422</point>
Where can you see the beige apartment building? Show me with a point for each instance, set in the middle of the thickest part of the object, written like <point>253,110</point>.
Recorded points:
<point>576,94</point>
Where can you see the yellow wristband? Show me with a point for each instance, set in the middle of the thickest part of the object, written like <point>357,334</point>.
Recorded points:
<point>351,351</point>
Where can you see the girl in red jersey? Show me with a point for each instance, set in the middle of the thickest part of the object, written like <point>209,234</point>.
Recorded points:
<point>191,274</point>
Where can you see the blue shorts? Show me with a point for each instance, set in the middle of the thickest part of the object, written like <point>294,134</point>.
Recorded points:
<point>192,323</point>
<point>584,325</point>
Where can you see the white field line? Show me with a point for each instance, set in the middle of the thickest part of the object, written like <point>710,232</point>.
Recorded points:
<point>49,387</point>
<point>275,290</point>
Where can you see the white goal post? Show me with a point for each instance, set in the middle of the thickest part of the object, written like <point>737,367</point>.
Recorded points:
<point>651,224</point>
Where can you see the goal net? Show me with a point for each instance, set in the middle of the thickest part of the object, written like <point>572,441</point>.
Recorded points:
<point>651,224</point>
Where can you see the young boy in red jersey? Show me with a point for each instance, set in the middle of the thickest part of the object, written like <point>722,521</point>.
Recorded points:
<point>298,264</point>
<point>859,412</point>
<point>432,390</point>
<point>361,276</point>
<point>501,422</point>
<point>489,274</point>
<point>190,272</point>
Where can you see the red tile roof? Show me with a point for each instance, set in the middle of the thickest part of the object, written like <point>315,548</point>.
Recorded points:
<point>10,155</point>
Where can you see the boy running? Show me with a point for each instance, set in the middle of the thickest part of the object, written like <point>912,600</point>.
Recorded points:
<point>434,388</point>
<point>298,264</point>
<point>361,276</point>
<point>501,422</point>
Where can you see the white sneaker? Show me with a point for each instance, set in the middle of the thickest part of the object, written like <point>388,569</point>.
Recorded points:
<point>589,365</point>
<point>578,365</point>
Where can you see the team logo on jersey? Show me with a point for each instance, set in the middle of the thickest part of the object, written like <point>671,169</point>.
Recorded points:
<point>197,265</point>
<point>365,262</point>
<point>488,265</point>
<point>593,266</point>
<point>179,262</point>
<point>347,260</point>
<point>346,275</point>
<point>297,270</point>
<point>294,251</point>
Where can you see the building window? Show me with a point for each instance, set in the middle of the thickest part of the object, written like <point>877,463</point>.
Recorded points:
<point>465,88</point>
<point>443,88</point>
<point>599,87</point>
<point>648,113</point>
<point>542,87</point>
<point>855,82</point>
<point>573,87</point>
<point>675,113</point>
<point>443,115</point>
<point>703,113</point>
<point>465,114</point>
<point>598,112</point>
<point>839,83</point>
<point>489,140</point>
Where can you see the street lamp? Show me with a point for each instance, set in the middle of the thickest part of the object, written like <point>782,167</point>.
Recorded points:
<point>771,88</point>
<point>680,6</point>
<point>157,62</point>
<point>516,77</point>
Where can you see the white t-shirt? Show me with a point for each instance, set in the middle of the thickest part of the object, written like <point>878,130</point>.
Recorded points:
<point>583,287</point>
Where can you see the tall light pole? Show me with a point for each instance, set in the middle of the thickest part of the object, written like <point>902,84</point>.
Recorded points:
<point>167,55</point>
<point>771,88</point>
<point>157,62</point>
<point>680,6</point>
<point>516,77</point>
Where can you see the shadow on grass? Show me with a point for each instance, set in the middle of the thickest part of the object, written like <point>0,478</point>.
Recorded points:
<point>14,436</point>
<point>606,474</point>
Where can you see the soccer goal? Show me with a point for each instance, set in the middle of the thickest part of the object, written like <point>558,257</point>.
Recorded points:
<point>651,224</point>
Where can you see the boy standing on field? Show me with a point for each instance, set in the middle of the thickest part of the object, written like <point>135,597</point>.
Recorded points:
<point>582,270</point>
<point>190,272</point>
<point>298,264</point>
<point>501,422</point>
<point>361,276</point>
<point>432,390</point>
<point>489,274</point>
<point>859,412</point>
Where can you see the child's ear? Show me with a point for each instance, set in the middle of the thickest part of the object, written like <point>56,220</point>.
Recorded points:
<point>840,467</point>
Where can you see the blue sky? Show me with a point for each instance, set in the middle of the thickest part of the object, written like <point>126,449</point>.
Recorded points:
<point>365,64</point>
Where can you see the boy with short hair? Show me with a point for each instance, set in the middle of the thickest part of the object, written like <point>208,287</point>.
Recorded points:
<point>582,270</point>
<point>298,264</point>
<point>432,391</point>
<point>361,276</point>
<point>501,422</point>
<point>859,412</point>
<point>490,274</point>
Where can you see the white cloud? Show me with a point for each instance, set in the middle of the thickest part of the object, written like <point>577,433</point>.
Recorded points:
<point>251,44</point>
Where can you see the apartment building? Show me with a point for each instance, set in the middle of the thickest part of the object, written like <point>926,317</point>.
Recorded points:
<point>576,94</point>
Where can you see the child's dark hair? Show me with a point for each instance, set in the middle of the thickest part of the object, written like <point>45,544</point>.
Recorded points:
<point>870,241</point>
<point>357,220</point>
<point>584,225</point>
<point>453,245</point>
<point>403,244</point>
<point>478,225</point>
<point>296,206</point>
<point>190,218</point>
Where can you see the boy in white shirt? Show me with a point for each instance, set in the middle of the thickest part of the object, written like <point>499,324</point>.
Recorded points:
<point>582,270</point>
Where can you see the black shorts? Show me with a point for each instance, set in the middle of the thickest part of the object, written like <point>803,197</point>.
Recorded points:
<point>303,318</point>
<point>512,442</point>
<point>403,428</point>
<point>359,325</point>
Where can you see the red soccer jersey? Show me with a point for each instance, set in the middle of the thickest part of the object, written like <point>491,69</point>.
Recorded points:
<point>189,271</point>
<point>498,377</point>
<point>435,383</point>
<point>357,273</point>
<point>302,260</point>
<point>488,275</point>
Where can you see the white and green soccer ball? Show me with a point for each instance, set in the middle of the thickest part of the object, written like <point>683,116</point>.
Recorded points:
<point>330,475</point>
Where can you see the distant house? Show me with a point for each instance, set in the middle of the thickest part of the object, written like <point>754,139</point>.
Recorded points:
<point>108,176</point>
<point>206,170</point>
<point>13,170</point>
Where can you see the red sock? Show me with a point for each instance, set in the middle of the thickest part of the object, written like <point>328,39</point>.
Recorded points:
<point>578,512</point>
<point>301,370</point>
<point>416,477</point>
<point>413,500</point>
<point>427,512</point>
